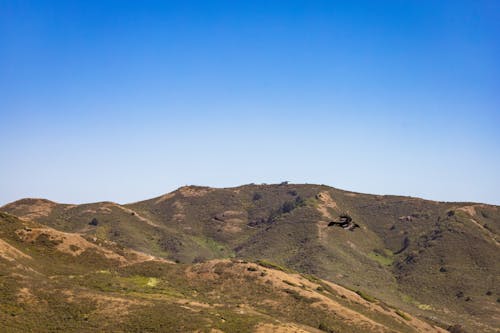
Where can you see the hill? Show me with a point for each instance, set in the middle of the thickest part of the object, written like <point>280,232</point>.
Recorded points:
<point>56,281</point>
<point>435,260</point>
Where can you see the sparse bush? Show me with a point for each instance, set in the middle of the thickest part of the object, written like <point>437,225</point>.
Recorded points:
<point>456,329</point>
<point>267,264</point>
<point>256,196</point>
<point>325,328</point>
<point>74,248</point>
<point>199,259</point>
<point>286,207</point>
<point>311,278</point>
<point>403,315</point>
<point>365,296</point>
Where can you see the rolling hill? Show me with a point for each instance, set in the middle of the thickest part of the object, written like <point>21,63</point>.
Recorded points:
<point>401,258</point>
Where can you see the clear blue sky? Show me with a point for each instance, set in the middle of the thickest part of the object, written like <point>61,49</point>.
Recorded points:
<point>125,100</point>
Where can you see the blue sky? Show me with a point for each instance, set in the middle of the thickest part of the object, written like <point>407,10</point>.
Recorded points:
<point>125,100</point>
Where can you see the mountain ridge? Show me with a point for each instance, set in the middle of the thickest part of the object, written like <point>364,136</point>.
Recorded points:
<point>437,260</point>
<point>246,185</point>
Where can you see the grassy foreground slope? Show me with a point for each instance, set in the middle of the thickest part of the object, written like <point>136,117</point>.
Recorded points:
<point>435,260</point>
<point>57,281</point>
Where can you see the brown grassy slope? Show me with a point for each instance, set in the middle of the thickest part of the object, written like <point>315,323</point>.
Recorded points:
<point>438,260</point>
<point>102,287</point>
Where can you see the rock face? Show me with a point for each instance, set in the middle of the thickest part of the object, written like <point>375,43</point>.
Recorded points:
<point>412,253</point>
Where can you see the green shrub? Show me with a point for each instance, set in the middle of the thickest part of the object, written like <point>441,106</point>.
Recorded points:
<point>267,264</point>
<point>366,297</point>
<point>402,315</point>
<point>257,196</point>
<point>325,328</point>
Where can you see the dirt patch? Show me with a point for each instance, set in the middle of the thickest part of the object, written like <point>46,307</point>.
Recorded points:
<point>75,245</point>
<point>470,210</point>
<point>233,227</point>
<point>322,227</point>
<point>326,202</point>
<point>69,243</point>
<point>233,213</point>
<point>105,210</point>
<point>24,295</point>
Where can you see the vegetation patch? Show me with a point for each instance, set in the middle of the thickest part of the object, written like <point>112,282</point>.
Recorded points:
<point>325,328</point>
<point>268,264</point>
<point>402,315</point>
<point>102,231</point>
<point>285,208</point>
<point>425,307</point>
<point>152,282</point>
<point>311,278</point>
<point>381,259</point>
<point>366,297</point>
<point>214,246</point>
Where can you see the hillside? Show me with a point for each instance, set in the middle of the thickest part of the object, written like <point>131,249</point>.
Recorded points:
<point>437,261</point>
<point>55,281</point>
